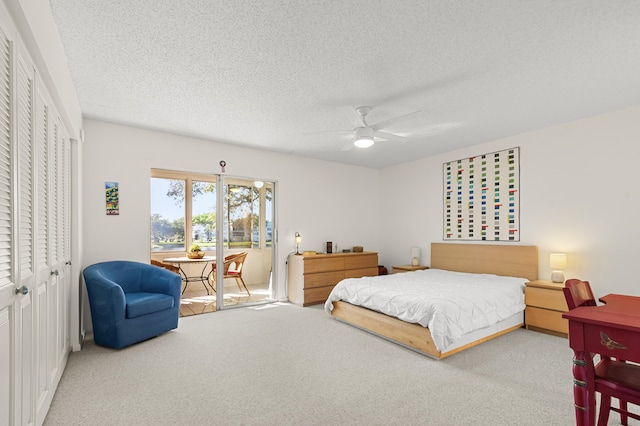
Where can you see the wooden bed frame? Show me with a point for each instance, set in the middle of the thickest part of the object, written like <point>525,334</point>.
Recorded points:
<point>506,260</point>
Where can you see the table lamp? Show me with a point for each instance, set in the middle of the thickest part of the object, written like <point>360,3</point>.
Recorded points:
<point>415,256</point>
<point>557,262</point>
<point>298,241</point>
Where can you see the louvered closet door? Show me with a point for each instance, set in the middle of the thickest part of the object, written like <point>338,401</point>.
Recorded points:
<point>63,243</point>
<point>57,290</point>
<point>7,296</point>
<point>43,256</point>
<point>16,213</point>
<point>26,226</point>
<point>52,159</point>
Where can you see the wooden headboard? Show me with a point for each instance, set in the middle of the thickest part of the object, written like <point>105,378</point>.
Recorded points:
<point>507,260</point>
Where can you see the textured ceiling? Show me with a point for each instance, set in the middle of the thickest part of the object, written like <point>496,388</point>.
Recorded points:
<point>265,74</point>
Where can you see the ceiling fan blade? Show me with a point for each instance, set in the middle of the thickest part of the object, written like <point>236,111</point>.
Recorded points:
<point>389,136</point>
<point>347,146</point>
<point>330,132</point>
<point>386,123</point>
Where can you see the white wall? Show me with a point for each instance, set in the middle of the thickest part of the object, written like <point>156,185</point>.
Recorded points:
<point>323,201</point>
<point>579,194</point>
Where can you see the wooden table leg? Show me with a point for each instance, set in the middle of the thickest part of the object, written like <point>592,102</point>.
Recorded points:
<point>583,389</point>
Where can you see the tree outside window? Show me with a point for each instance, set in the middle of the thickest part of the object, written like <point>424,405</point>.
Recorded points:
<point>242,221</point>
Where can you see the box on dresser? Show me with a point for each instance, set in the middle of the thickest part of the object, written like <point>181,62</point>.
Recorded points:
<point>311,278</point>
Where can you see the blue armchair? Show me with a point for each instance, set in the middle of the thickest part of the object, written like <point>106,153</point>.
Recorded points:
<point>131,302</point>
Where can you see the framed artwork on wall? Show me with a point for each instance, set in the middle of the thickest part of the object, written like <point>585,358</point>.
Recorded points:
<point>112,198</point>
<point>482,197</point>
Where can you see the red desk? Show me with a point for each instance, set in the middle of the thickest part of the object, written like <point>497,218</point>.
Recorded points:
<point>612,329</point>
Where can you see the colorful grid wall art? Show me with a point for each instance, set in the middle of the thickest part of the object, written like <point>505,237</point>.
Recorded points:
<point>482,197</point>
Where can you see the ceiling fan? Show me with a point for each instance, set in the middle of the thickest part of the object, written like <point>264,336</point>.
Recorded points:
<point>365,135</point>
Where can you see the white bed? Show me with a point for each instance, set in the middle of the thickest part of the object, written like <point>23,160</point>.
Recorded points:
<point>451,304</point>
<point>455,311</point>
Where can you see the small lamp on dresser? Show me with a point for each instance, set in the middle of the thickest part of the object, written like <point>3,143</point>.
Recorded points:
<point>557,262</point>
<point>298,241</point>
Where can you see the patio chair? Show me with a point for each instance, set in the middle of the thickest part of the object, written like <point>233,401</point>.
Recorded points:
<point>232,268</point>
<point>171,268</point>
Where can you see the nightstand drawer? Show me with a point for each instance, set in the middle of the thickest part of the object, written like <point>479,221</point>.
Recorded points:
<point>545,298</point>
<point>544,318</point>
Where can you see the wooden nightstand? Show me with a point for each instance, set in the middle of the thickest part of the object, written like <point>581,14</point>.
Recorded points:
<point>545,304</point>
<point>407,268</point>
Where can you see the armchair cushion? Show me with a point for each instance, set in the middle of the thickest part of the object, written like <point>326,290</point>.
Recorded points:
<point>131,302</point>
<point>139,304</point>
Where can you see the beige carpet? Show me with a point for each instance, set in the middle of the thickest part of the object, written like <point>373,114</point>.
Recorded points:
<point>280,364</point>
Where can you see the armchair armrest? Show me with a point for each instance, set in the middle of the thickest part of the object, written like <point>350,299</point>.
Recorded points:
<point>163,281</point>
<point>107,298</point>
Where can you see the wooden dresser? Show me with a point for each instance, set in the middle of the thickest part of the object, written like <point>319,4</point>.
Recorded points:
<point>311,278</point>
<point>545,305</point>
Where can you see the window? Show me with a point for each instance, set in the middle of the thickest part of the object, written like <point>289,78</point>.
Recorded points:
<point>247,220</point>
<point>171,203</point>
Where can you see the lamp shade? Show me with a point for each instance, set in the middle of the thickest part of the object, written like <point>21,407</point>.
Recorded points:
<point>558,260</point>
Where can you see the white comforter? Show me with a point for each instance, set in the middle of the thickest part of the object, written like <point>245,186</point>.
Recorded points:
<point>450,304</point>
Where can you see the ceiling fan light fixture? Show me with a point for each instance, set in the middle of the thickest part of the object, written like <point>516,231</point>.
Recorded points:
<point>363,142</point>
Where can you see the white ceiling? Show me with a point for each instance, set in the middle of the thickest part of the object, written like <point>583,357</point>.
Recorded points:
<point>265,73</point>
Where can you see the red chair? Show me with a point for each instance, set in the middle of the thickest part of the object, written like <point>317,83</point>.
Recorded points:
<point>611,378</point>
<point>578,293</point>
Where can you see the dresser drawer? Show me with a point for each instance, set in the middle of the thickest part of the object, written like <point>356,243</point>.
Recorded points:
<point>363,272</point>
<point>363,261</point>
<point>544,318</point>
<point>314,296</point>
<point>323,264</point>
<point>322,279</point>
<point>545,298</point>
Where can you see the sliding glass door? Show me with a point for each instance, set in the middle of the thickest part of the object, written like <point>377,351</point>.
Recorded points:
<point>245,273</point>
<point>231,221</point>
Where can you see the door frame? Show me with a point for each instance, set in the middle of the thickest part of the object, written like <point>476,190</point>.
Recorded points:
<point>220,250</point>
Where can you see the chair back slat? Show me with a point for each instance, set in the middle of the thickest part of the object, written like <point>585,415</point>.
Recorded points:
<point>578,293</point>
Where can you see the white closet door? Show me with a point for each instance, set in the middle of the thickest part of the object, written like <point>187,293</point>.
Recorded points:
<point>8,350</point>
<point>63,241</point>
<point>42,304</point>
<point>24,137</point>
<point>16,232</point>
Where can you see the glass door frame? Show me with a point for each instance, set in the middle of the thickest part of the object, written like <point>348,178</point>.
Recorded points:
<point>220,248</point>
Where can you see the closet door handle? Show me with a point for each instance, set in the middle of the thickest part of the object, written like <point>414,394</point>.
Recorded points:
<point>22,290</point>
